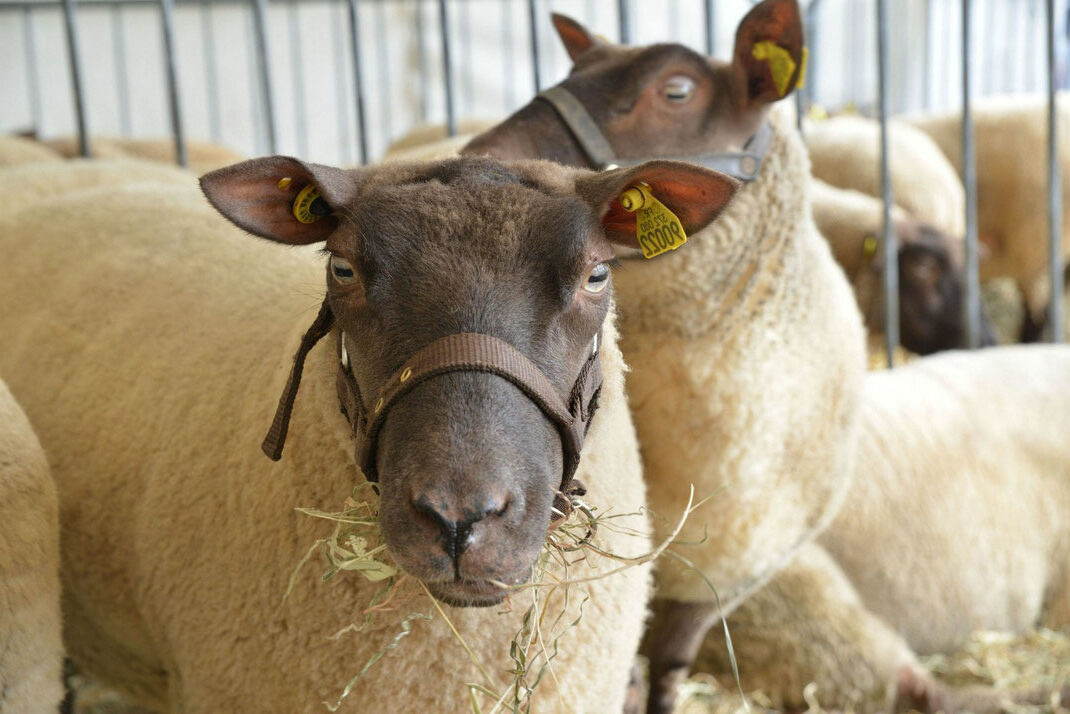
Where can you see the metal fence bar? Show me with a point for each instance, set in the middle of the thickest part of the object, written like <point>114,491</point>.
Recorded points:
<point>167,21</point>
<point>122,78</point>
<point>447,68</point>
<point>297,64</point>
<point>710,15</point>
<point>1055,206</point>
<point>888,242</point>
<point>340,86</point>
<point>464,26</point>
<point>969,182</point>
<point>358,88</point>
<point>421,62</point>
<point>624,19</point>
<point>263,59</point>
<point>211,71</point>
<point>533,27</point>
<point>33,77</point>
<point>382,55</point>
<point>508,63</point>
<point>71,23</point>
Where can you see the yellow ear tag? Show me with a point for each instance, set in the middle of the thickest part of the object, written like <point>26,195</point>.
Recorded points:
<point>869,247</point>
<point>781,65</point>
<point>657,229</point>
<point>303,204</point>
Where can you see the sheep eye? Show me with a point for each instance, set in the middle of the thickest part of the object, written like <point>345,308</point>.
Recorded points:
<point>598,279</point>
<point>678,89</point>
<point>342,270</point>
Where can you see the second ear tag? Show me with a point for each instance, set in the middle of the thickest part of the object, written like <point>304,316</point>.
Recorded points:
<point>657,229</point>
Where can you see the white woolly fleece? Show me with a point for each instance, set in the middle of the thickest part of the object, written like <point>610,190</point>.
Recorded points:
<point>150,341</point>
<point>31,651</point>
<point>747,354</point>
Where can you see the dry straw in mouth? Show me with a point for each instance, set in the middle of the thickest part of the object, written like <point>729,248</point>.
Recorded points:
<point>356,544</point>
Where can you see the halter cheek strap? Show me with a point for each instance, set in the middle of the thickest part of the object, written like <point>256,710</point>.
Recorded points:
<point>743,165</point>
<point>459,352</point>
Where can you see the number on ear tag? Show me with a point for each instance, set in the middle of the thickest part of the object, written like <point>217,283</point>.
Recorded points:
<point>657,229</point>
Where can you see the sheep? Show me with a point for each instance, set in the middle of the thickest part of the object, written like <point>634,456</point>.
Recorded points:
<point>931,288</point>
<point>746,355</point>
<point>430,142</point>
<point>28,183</point>
<point>845,153</point>
<point>31,651</point>
<point>202,156</point>
<point>1011,135</point>
<point>994,520</point>
<point>16,150</point>
<point>745,345</point>
<point>150,340</point>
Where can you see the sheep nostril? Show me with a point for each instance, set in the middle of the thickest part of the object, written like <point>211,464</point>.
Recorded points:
<point>456,531</point>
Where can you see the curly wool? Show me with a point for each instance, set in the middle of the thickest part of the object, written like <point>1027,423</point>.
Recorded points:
<point>179,536</point>
<point>746,351</point>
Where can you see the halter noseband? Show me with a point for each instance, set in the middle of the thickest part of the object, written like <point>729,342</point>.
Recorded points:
<point>458,352</point>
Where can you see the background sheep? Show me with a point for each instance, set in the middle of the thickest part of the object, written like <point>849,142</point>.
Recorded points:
<point>845,152</point>
<point>938,460</point>
<point>1011,135</point>
<point>202,156</point>
<point>15,150</point>
<point>156,425</point>
<point>31,653</point>
<point>24,185</point>
<point>931,289</point>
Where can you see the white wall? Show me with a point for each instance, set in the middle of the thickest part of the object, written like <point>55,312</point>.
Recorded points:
<point>313,84</point>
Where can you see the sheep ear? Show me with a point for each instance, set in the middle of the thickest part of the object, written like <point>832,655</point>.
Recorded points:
<point>280,198</point>
<point>574,36</point>
<point>769,57</point>
<point>695,195</point>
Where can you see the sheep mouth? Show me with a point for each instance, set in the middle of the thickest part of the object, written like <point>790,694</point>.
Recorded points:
<point>469,593</point>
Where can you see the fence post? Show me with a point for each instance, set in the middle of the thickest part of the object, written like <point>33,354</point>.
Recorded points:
<point>888,242</point>
<point>71,23</point>
<point>969,182</point>
<point>167,20</point>
<point>1055,205</point>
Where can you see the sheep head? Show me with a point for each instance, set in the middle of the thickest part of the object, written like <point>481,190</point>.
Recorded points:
<point>467,463</point>
<point>662,100</point>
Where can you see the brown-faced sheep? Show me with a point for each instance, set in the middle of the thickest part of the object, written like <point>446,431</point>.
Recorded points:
<point>151,340</point>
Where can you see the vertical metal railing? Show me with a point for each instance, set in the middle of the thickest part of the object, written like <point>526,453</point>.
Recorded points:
<point>1056,322</point>
<point>358,85</point>
<point>341,87</point>
<point>263,60</point>
<point>709,14</point>
<point>382,47</point>
<point>297,66</point>
<point>508,61</point>
<point>447,68</point>
<point>888,242</point>
<point>624,19</point>
<point>122,74</point>
<point>211,73</point>
<point>174,103</point>
<point>533,30</point>
<point>972,303</point>
<point>75,59</point>
<point>33,77</point>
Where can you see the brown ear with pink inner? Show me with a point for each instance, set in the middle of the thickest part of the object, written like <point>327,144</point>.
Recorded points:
<point>576,38</point>
<point>259,195</point>
<point>694,194</point>
<point>778,22</point>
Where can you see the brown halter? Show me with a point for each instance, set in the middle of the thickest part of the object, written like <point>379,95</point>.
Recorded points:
<point>459,352</point>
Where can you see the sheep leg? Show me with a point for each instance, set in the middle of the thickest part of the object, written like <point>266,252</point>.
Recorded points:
<point>672,642</point>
